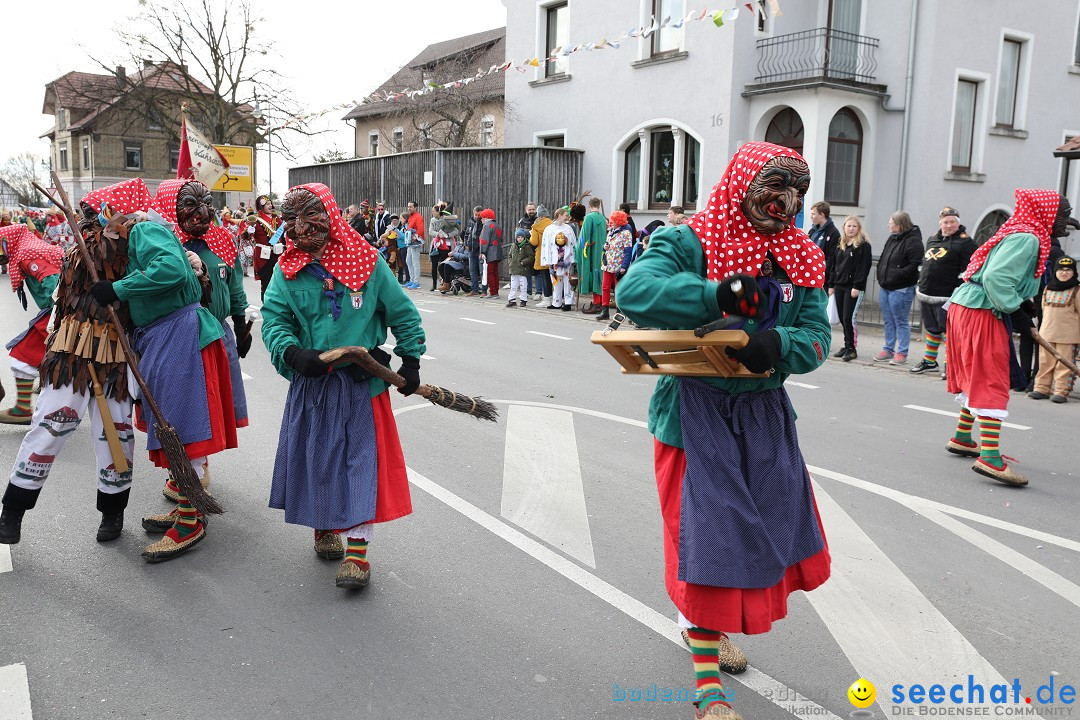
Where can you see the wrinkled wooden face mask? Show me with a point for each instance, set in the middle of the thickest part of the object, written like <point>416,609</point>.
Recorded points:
<point>194,209</point>
<point>775,195</point>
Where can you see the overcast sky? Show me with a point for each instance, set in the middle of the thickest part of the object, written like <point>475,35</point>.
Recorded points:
<point>335,52</point>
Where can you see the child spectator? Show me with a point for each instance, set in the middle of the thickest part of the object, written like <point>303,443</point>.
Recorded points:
<point>1061,328</point>
<point>618,248</point>
<point>557,252</point>
<point>522,255</point>
<point>491,250</point>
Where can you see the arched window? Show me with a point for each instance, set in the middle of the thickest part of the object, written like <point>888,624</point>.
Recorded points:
<point>661,167</point>
<point>632,173</point>
<point>786,129</point>
<point>989,225</point>
<point>843,161</point>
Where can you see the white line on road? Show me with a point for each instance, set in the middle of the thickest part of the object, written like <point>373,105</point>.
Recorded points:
<point>557,337</point>
<point>753,679</point>
<point>5,558</point>
<point>14,693</point>
<point>803,385</point>
<point>482,322</point>
<point>542,491</point>
<point>956,415</point>
<point>245,375</point>
<point>425,310</point>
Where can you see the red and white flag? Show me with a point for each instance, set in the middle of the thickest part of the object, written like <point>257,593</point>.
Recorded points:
<point>199,159</point>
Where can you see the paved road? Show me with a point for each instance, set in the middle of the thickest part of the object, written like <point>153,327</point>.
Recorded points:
<point>527,583</point>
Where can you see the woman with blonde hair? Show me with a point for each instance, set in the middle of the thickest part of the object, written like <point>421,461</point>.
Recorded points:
<point>847,282</point>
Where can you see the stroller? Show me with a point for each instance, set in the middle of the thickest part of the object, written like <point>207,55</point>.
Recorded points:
<point>455,275</point>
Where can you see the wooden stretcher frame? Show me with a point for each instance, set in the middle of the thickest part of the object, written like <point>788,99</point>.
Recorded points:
<point>675,352</point>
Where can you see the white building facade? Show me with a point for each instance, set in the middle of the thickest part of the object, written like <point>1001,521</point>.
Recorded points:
<point>896,104</point>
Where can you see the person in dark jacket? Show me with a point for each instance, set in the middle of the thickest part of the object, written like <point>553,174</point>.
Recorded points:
<point>824,233</point>
<point>947,255</point>
<point>851,263</point>
<point>472,245</point>
<point>897,273</point>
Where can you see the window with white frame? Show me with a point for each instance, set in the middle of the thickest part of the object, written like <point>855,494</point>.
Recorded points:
<point>843,163</point>
<point>762,18</point>
<point>661,167</point>
<point>556,36</point>
<point>632,173</point>
<point>1009,83</point>
<point>554,141</point>
<point>667,40</point>
<point>964,121</point>
<point>373,143</point>
<point>1076,48</point>
<point>487,131</point>
<point>174,159</point>
<point>132,155</point>
<point>64,155</point>
<point>86,153</point>
<point>397,139</point>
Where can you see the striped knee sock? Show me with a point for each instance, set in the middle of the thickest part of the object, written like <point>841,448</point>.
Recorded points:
<point>356,551</point>
<point>23,390</point>
<point>963,427</point>
<point>703,648</point>
<point>990,435</point>
<point>933,342</point>
<point>187,520</point>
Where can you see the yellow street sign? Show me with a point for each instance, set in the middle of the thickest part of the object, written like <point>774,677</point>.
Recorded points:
<point>241,169</point>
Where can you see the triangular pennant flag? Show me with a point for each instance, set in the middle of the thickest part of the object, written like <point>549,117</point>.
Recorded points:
<point>718,18</point>
<point>703,14</point>
<point>535,62</point>
<point>733,14</point>
<point>505,67</point>
<point>677,25</point>
<point>602,44</point>
<point>664,24</point>
<point>614,44</point>
<point>199,159</point>
<point>774,6</point>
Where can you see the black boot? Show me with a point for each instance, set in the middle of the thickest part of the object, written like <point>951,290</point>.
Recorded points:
<point>11,525</point>
<point>604,315</point>
<point>111,506</point>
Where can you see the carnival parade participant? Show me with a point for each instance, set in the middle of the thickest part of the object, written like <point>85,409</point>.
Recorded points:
<point>339,466</point>
<point>992,303</point>
<point>83,341</point>
<point>261,226</point>
<point>181,353</point>
<point>217,251</point>
<point>741,528</point>
<point>34,265</point>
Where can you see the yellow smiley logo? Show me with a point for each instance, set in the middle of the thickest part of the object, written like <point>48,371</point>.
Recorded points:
<point>862,693</point>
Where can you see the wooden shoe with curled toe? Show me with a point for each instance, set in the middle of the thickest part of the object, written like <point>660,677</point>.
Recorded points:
<point>958,447</point>
<point>1004,475</point>
<point>172,545</point>
<point>160,523</point>
<point>731,658</point>
<point>171,491</point>
<point>716,710</point>
<point>352,575</point>
<point>328,545</point>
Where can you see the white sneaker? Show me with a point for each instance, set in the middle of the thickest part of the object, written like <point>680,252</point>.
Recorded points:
<point>545,302</point>
<point>537,296</point>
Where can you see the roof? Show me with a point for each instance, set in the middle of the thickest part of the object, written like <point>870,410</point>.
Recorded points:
<point>489,48</point>
<point>1072,148</point>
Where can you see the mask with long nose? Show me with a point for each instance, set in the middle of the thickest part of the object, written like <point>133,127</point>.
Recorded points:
<point>775,195</point>
<point>307,223</point>
<point>1064,220</point>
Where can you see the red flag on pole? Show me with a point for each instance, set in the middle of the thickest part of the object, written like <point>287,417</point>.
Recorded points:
<point>199,159</point>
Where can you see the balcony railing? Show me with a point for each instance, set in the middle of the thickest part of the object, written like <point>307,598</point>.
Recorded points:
<point>817,55</point>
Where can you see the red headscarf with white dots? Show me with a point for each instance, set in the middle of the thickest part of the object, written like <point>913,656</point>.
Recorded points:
<point>217,238</point>
<point>1035,213</point>
<point>348,256</point>
<point>123,197</point>
<point>735,247</point>
<point>24,247</point>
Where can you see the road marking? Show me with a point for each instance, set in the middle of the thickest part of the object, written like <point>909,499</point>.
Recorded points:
<point>753,679</point>
<point>542,490</point>
<point>14,693</point>
<point>389,347</point>
<point>557,337</point>
<point>245,376</point>
<point>425,310</point>
<point>956,415</point>
<point>802,385</point>
<point>884,624</point>
<point>5,558</point>
<point>482,322</point>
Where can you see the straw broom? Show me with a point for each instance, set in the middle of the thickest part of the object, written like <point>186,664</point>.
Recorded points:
<point>171,445</point>
<point>478,408</point>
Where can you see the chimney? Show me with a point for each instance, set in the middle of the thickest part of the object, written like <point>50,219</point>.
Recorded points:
<point>121,76</point>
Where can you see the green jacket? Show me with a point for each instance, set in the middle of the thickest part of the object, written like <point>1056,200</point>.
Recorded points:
<point>589,255</point>
<point>295,312</point>
<point>1007,277</point>
<point>667,288</point>
<point>160,280</point>
<point>42,291</point>
<point>228,298</point>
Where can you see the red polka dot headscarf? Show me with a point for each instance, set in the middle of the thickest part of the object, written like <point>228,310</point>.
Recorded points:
<point>733,246</point>
<point>216,238</point>
<point>25,246</point>
<point>1035,213</point>
<point>123,197</point>
<point>348,256</point>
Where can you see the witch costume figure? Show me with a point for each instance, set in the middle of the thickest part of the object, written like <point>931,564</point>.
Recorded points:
<point>82,345</point>
<point>339,467</point>
<point>741,528</point>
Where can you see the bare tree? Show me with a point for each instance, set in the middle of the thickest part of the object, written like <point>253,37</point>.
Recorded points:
<point>331,155</point>
<point>21,172</point>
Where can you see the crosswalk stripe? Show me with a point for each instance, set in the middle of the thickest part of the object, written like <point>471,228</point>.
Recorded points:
<point>245,376</point>
<point>14,693</point>
<point>956,415</point>
<point>5,558</point>
<point>542,490</point>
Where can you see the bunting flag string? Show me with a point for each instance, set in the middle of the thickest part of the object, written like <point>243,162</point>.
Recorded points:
<point>719,18</point>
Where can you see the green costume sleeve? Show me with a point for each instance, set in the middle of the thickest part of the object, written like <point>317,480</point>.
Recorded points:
<point>280,329</point>
<point>160,259</point>
<point>1008,270</point>
<point>400,313</point>
<point>666,287</point>
<point>42,291</point>
<point>238,301</point>
<point>804,344</point>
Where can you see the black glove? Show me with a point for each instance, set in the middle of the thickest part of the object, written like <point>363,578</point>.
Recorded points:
<point>410,370</point>
<point>305,362</point>
<point>359,373</point>
<point>243,335</point>
<point>21,294</point>
<point>3,259</point>
<point>761,352</point>
<point>746,304</point>
<point>103,292</point>
<point>1021,320</point>
<point>1029,307</point>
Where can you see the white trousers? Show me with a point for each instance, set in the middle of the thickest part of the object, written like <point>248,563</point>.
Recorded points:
<point>58,413</point>
<point>519,288</point>
<point>413,261</point>
<point>562,294</point>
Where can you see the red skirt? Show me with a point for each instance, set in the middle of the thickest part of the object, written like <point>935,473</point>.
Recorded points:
<point>392,499</point>
<point>978,357</point>
<point>30,349</point>
<point>220,403</point>
<point>732,610</point>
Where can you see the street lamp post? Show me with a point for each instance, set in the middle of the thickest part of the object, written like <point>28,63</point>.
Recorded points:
<point>259,114</point>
